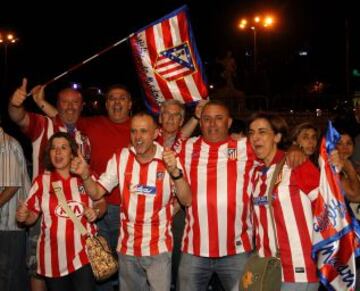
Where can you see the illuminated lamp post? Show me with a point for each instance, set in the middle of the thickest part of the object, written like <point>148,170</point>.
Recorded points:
<point>254,24</point>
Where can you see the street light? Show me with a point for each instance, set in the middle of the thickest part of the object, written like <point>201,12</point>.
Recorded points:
<point>256,23</point>
<point>6,38</point>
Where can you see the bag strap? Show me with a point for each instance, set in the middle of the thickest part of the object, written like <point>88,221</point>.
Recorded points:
<point>57,186</point>
<point>274,177</point>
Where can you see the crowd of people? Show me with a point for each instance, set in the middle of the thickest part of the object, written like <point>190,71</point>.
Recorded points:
<point>176,209</point>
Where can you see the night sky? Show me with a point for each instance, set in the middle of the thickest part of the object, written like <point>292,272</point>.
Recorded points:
<point>55,37</point>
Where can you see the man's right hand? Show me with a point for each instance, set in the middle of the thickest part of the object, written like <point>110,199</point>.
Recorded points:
<point>19,96</point>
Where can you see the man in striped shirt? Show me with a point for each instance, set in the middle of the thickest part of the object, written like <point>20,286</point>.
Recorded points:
<point>218,231</point>
<point>14,187</point>
<point>172,131</point>
<point>171,119</point>
<point>39,129</point>
<point>142,172</point>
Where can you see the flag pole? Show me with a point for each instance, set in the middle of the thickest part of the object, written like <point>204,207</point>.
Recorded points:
<point>75,67</point>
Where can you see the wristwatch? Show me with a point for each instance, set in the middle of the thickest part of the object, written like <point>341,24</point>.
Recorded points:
<point>178,176</point>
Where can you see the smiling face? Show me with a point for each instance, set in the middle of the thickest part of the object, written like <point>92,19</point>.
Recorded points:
<point>215,122</point>
<point>69,105</point>
<point>263,140</point>
<point>60,154</point>
<point>143,132</point>
<point>171,118</point>
<point>118,105</point>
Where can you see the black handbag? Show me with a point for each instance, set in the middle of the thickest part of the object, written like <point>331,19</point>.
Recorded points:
<point>264,273</point>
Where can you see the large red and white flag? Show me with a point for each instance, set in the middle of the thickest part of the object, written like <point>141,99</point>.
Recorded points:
<point>167,61</point>
<point>335,232</point>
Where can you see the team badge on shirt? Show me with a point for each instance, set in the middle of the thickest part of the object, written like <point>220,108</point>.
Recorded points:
<point>160,175</point>
<point>232,154</point>
<point>81,189</point>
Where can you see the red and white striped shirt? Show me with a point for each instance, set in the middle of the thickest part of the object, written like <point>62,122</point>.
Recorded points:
<point>146,202</point>
<point>61,248</point>
<point>173,143</point>
<point>218,221</point>
<point>292,205</point>
<point>40,130</point>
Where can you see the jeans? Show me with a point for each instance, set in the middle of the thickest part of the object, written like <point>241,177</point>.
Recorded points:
<point>299,286</point>
<point>13,273</point>
<point>195,272</point>
<point>145,273</point>
<point>109,226</point>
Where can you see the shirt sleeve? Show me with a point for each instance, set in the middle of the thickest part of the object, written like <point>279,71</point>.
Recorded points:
<point>36,126</point>
<point>109,179</point>
<point>33,201</point>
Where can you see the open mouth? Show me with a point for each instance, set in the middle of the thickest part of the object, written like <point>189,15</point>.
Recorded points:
<point>258,147</point>
<point>58,160</point>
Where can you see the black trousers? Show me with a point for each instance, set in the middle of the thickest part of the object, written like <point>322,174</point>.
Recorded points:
<point>80,280</point>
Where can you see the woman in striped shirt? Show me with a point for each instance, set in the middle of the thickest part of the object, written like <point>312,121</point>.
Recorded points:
<point>61,255</point>
<point>292,197</point>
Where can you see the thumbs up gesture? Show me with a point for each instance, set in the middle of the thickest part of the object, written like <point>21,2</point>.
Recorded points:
<point>19,96</point>
<point>169,158</point>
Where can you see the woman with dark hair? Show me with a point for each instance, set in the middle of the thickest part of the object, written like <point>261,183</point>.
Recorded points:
<point>349,178</point>
<point>286,232</point>
<point>61,255</point>
<point>341,160</point>
<point>306,136</point>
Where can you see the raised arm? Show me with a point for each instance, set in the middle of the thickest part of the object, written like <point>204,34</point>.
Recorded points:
<point>38,94</point>
<point>80,167</point>
<point>183,191</point>
<point>16,108</point>
<point>189,127</point>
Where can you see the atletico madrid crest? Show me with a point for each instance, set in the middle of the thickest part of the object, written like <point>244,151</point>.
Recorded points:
<point>175,63</point>
<point>232,154</point>
<point>167,61</point>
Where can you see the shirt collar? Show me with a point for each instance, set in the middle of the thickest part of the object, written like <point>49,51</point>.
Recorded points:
<point>279,155</point>
<point>158,151</point>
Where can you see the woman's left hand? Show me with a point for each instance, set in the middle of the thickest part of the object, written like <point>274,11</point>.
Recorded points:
<point>90,214</point>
